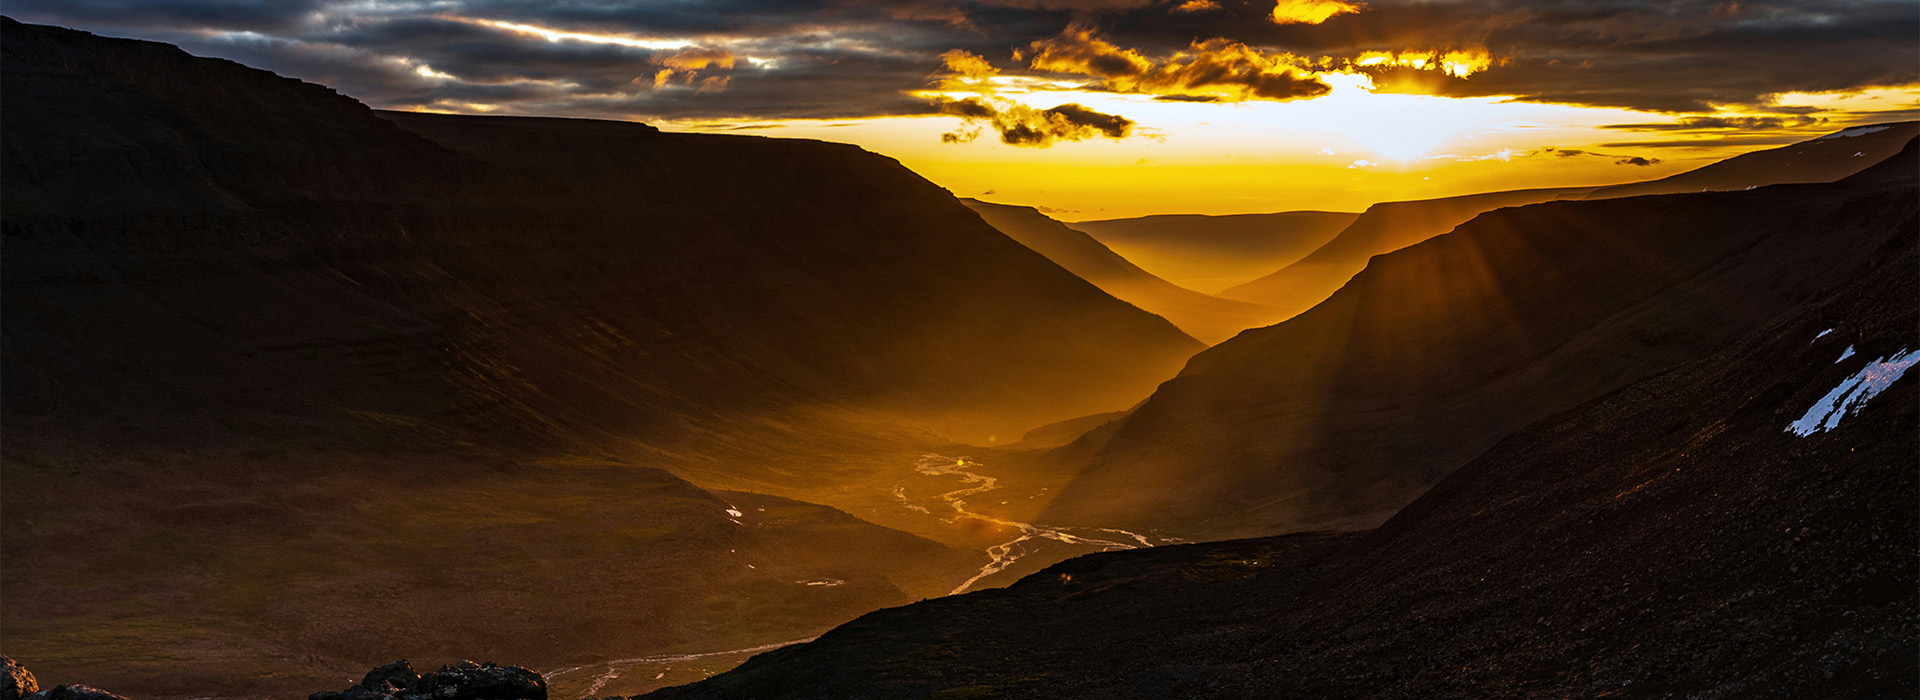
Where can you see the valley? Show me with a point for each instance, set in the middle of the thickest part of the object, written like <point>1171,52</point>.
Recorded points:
<point>294,386</point>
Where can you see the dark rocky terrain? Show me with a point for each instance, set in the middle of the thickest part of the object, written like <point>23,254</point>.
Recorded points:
<point>1211,253</point>
<point>1672,538</point>
<point>343,385</point>
<point>18,683</point>
<point>1342,415</point>
<point>1206,317</point>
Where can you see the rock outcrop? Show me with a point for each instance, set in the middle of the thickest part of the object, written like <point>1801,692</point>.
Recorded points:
<point>17,683</point>
<point>465,680</point>
<point>15,680</point>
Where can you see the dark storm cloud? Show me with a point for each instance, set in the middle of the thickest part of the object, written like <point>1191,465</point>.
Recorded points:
<point>1673,56</point>
<point>260,16</point>
<point>855,58</point>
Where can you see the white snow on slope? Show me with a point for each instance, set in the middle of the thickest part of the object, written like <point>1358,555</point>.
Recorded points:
<point>1855,131</point>
<point>1853,393</point>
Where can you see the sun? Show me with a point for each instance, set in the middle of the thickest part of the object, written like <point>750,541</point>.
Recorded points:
<point>1395,126</point>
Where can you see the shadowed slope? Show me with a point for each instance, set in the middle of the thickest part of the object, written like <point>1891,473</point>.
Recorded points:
<point>1381,228</point>
<point>577,280</point>
<point>1212,253</point>
<point>337,388</point>
<point>1341,415</point>
<point>1669,539</point>
<point>1209,318</point>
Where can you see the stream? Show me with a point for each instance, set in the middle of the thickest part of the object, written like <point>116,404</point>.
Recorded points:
<point>1006,553</point>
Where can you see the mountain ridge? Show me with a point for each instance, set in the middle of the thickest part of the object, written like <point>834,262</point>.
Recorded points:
<point>1205,317</point>
<point>1671,537</point>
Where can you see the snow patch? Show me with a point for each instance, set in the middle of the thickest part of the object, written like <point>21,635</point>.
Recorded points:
<point>735,513</point>
<point>1844,355</point>
<point>1853,392</point>
<point>821,582</point>
<point>1823,334</point>
<point>1855,131</point>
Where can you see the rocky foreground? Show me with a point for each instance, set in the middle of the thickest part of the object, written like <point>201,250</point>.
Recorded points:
<point>462,681</point>
<point>18,683</point>
<point>465,680</point>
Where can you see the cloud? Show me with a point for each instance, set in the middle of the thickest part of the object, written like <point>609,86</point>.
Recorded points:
<point>1617,159</point>
<point>1077,50</point>
<point>1310,11</point>
<point>795,59</point>
<point>1676,56</point>
<point>1717,123</point>
<point>1020,125</point>
<point>1212,70</point>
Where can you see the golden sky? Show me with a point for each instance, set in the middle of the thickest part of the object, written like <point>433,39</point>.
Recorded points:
<point>1111,108</point>
<point>1339,152</point>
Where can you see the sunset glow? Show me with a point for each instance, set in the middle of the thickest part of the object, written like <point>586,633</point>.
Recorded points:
<point>1128,109</point>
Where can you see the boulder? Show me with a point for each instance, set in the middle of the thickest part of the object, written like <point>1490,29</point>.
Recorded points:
<point>470,681</point>
<point>74,691</point>
<point>398,675</point>
<point>15,680</point>
<point>361,692</point>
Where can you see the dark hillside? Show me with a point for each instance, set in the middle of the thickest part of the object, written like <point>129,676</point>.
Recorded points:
<point>344,386</point>
<point>1434,353</point>
<point>1670,539</point>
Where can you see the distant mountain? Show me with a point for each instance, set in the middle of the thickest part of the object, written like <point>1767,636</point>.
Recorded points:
<point>1393,225</point>
<point>1825,159</point>
<point>346,384</point>
<point>1434,353</point>
<point>1209,318</point>
<point>1382,228</point>
<point>1212,253</point>
<point>1670,539</point>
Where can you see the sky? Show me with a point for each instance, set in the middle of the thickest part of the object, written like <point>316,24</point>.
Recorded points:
<point>1093,109</point>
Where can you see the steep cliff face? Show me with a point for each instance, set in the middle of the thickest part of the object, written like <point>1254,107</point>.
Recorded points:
<point>1428,357</point>
<point>1675,538</point>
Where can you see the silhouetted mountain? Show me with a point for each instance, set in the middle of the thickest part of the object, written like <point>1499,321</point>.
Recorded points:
<point>611,280</point>
<point>1825,159</point>
<point>1395,225</point>
<point>349,385</point>
<point>1212,253</point>
<point>1671,539</point>
<point>1207,317</point>
<point>1382,228</point>
<point>1341,415</point>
